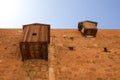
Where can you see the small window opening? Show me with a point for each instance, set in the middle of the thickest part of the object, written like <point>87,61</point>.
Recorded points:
<point>34,34</point>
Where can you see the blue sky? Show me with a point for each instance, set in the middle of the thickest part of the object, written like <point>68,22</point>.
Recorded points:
<point>59,13</point>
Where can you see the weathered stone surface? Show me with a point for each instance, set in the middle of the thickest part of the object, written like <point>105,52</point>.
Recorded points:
<point>87,62</point>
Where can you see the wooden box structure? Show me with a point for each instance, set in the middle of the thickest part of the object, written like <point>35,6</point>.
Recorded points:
<point>88,28</point>
<point>34,44</point>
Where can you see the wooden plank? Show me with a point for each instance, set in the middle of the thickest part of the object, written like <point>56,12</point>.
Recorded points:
<point>89,25</point>
<point>34,50</point>
<point>36,33</point>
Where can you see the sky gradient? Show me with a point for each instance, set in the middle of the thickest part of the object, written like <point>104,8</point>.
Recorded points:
<point>59,13</point>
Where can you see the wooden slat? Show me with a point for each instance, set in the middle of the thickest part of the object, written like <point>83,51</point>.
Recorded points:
<point>89,25</point>
<point>41,30</point>
<point>31,51</point>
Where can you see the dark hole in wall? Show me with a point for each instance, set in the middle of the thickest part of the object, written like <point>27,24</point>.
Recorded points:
<point>71,48</point>
<point>105,49</point>
<point>72,38</point>
<point>5,48</point>
<point>99,78</point>
<point>34,34</point>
